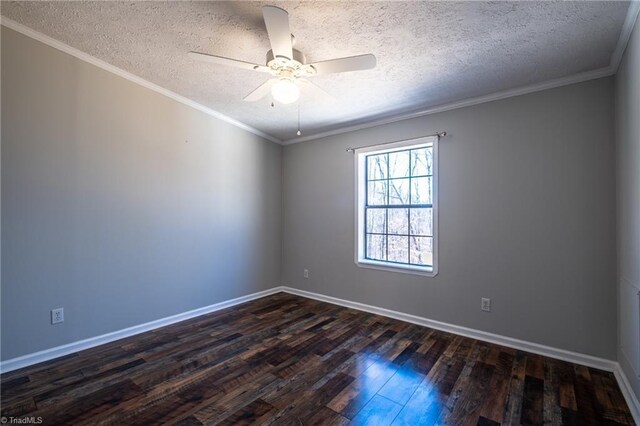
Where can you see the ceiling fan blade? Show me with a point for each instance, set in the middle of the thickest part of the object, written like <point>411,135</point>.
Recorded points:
<point>263,90</point>
<point>221,60</point>
<point>351,63</point>
<point>316,91</point>
<point>277,23</point>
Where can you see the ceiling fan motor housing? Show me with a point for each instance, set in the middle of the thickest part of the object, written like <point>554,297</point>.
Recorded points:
<point>295,67</point>
<point>286,64</point>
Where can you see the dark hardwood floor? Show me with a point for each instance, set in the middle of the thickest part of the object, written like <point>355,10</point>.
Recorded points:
<point>289,360</point>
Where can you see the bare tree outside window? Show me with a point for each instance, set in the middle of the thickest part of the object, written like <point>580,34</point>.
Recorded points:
<point>399,206</point>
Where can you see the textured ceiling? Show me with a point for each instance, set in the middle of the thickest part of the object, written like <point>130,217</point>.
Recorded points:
<point>429,53</point>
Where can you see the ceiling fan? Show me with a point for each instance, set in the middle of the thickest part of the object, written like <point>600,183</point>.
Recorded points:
<point>287,65</point>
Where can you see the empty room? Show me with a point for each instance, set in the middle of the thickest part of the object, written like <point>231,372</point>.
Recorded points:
<point>320,213</point>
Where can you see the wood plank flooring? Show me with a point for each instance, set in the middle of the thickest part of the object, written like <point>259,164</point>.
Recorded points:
<point>288,360</point>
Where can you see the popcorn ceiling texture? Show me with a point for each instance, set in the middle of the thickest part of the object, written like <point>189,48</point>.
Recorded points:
<point>428,53</point>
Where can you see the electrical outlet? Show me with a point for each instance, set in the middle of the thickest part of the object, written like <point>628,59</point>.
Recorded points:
<point>305,273</point>
<point>57,315</point>
<point>485,304</point>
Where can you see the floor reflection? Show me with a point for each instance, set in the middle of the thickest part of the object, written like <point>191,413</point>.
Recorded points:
<point>386,394</point>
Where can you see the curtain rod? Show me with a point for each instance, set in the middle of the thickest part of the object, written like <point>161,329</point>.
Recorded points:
<point>438,134</point>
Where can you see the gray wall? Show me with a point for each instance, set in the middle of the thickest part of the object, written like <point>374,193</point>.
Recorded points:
<point>526,218</point>
<point>110,213</point>
<point>627,112</point>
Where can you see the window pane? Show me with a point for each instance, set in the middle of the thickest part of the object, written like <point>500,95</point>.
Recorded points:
<point>376,247</point>
<point>377,193</point>
<point>376,221</point>
<point>421,190</point>
<point>399,164</point>
<point>422,161</point>
<point>421,251</point>
<point>398,249</point>
<point>422,221</point>
<point>399,221</point>
<point>398,213</point>
<point>399,191</point>
<point>377,166</point>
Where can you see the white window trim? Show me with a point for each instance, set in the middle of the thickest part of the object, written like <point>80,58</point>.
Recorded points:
<point>359,159</point>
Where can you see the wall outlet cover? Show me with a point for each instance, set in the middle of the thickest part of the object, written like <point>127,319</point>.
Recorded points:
<point>57,315</point>
<point>485,304</point>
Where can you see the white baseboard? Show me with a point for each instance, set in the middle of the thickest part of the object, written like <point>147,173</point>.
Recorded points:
<point>548,351</point>
<point>627,392</point>
<point>578,358</point>
<point>574,357</point>
<point>58,351</point>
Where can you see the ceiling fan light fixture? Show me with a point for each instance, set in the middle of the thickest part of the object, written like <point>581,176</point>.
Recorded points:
<point>285,91</point>
<point>287,65</point>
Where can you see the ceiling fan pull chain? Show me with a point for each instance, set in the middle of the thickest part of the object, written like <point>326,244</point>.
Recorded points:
<point>298,132</point>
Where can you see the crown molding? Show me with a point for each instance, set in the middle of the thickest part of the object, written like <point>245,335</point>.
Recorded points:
<point>625,34</point>
<point>616,58</point>
<point>549,84</point>
<point>24,30</point>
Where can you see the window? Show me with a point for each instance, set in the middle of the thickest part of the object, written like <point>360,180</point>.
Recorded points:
<point>396,219</point>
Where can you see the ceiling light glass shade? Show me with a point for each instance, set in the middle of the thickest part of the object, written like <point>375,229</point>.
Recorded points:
<point>285,91</point>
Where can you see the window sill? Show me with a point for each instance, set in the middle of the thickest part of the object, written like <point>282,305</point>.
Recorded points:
<point>408,269</point>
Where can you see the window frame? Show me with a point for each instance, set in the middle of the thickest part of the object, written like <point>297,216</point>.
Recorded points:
<point>360,198</point>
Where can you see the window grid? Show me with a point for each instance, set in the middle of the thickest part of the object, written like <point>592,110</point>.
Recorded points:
<point>401,235</point>
<point>400,206</point>
<point>398,178</point>
<point>389,206</point>
<point>409,212</point>
<point>386,222</point>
